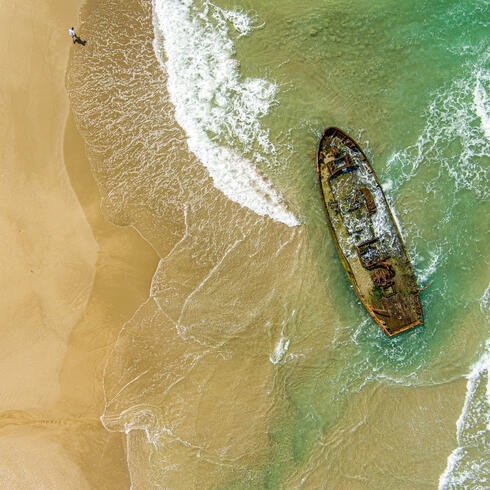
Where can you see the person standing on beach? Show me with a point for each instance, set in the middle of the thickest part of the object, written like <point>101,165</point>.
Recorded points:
<point>75,38</point>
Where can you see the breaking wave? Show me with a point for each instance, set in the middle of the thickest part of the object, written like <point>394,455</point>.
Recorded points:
<point>455,137</point>
<point>219,111</point>
<point>480,100</point>
<point>468,465</point>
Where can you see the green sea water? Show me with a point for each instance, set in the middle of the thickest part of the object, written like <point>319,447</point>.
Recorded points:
<point>253,364</point>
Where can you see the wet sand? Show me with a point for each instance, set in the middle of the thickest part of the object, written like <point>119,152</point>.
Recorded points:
<point>70,279</point>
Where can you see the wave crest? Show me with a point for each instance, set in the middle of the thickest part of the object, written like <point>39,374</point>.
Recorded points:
<point>219,111</point>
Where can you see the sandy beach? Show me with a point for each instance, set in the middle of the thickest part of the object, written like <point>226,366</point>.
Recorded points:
<point>69,278</point>
<point>158,331</point>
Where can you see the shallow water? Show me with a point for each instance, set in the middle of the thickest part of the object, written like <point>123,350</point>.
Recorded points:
<point>252,363</point>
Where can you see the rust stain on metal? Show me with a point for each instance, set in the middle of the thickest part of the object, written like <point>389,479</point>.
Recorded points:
<point>366,235</point>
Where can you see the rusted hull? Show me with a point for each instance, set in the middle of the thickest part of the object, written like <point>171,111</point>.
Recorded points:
<point>366,235</point>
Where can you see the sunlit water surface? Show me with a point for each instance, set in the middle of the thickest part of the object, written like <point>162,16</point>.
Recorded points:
<point>253,363</point>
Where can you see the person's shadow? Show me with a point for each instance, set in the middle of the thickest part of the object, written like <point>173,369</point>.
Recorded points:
<point>78,40</point>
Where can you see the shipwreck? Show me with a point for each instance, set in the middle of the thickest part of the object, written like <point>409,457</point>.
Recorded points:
<point>366,235</point>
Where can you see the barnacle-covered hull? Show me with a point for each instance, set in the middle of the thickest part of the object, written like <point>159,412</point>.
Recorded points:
<point>366,236</point>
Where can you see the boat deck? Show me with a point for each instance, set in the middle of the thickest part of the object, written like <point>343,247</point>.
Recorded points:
<point>365,233</point>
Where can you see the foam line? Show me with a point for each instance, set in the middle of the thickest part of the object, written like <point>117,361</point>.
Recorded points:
<point>476,412</point>
<point>457,118</point>
<point>219,111</point>
<point>480,99</point>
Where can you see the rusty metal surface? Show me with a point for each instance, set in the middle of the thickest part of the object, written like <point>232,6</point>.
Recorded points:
<point>366,235</point>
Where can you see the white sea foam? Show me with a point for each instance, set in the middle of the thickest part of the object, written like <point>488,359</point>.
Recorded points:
<point>219,111</point>
<point>469,464</point>
<point>381,222</point>
<point>455,137</point>
<point>484,302</point>
<point>425,274</point>
<point>480,99</point>
<point>280,350</point>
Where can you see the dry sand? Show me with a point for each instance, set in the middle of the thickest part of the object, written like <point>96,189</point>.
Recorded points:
<point>69,279</point>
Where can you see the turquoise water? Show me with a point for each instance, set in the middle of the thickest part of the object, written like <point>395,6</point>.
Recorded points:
<point>410,81</point>
<point>253,364</point>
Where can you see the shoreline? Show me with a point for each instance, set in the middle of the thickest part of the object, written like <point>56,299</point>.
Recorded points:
<point>71,278</point>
